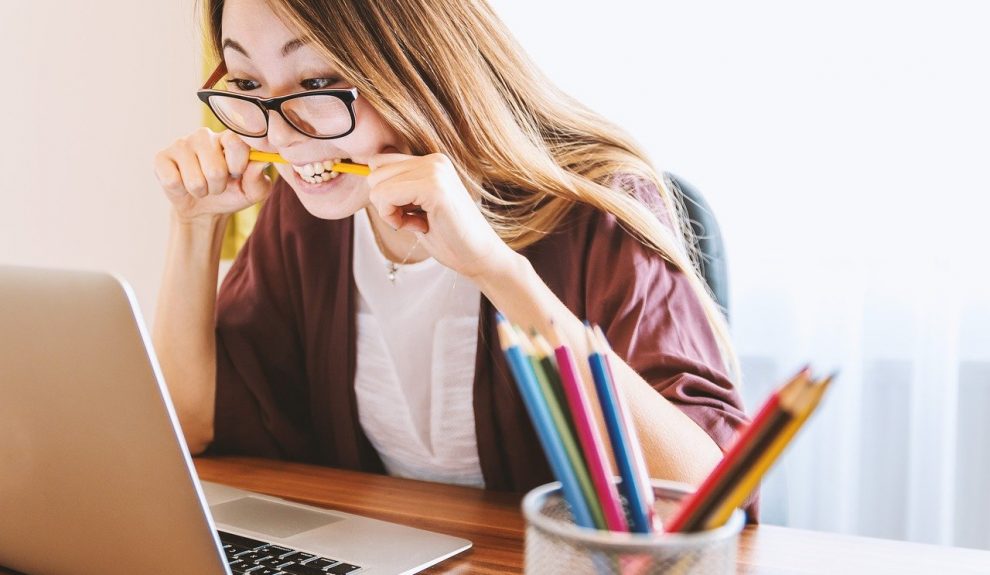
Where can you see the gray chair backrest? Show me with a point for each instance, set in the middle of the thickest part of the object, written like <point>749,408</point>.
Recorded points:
<point>708,238</point>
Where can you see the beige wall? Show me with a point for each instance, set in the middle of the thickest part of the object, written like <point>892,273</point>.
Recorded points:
<point>89,93</point>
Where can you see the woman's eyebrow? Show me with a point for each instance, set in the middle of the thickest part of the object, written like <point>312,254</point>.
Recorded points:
<point>234,45</point>
<point>290,46</point>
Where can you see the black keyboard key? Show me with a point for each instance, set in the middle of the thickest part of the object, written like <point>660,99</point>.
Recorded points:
<point>279,551</point>
<point>241,566</point>
<point>341,569</point>
<point>231,550</point>
<point>256,556</point>
<point>298,556</point>
<point>322,562</point>
<point>272,562</point>
<point>265,571</point>
<point>245,542</point>
<point>299,569</point>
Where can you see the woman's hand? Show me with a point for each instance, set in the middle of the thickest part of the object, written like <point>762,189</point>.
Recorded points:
<point>207,174</point>
<point>424,194</point>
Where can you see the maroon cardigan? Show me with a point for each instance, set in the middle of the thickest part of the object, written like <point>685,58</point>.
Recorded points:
<point>286,341</point>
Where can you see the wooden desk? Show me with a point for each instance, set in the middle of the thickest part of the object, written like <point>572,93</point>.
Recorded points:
<point>494,523</point>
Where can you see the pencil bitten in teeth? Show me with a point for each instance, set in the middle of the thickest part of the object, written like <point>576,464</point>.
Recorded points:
<point>317,172</point>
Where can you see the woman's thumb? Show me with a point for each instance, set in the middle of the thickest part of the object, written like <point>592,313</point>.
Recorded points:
<point>255,184</point>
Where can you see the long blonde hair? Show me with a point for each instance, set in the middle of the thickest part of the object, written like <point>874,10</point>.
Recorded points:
<point>448,77</point>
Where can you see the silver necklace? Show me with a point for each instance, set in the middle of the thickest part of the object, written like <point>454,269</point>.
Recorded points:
<point>391,266</point>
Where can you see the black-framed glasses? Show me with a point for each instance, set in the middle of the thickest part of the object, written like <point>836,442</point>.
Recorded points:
<point>322,114</point>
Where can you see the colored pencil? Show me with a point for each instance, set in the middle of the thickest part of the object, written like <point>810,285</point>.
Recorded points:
<point>621,446</point>
<point>625,415</point>
<point>571,448</point>
<point>539,414</point>
<point>770,421</point>
<point>588,434</point>
<point>803,407</point>
<point>544,353</point>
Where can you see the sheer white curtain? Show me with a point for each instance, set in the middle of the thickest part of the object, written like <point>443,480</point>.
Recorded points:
<point>899,447</point>
<point>844,148</point>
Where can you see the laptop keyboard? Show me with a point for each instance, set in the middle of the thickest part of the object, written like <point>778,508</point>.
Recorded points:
<point>246,555</point>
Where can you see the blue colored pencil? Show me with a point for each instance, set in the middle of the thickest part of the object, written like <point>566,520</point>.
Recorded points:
<point>540,415</point>
<point>639,463</point>
<point>639,515</point>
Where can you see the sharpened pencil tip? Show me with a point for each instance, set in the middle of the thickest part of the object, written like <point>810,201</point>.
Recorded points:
<point>506,335</point>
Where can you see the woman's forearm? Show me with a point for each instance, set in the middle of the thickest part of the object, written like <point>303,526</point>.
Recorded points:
<point>184,330</point>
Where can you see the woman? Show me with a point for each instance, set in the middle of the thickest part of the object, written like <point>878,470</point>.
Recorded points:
<point>356,327</point>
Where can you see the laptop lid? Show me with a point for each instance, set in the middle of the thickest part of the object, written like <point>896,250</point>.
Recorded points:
<point>94,477</point>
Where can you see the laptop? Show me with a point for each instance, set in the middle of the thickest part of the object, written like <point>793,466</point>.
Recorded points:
<point>95,476</point>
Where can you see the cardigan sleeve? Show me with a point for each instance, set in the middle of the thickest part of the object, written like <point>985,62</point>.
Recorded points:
<point>654,320</point>
<point>261,378</point>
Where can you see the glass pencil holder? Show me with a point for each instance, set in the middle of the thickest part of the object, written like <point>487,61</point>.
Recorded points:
<point>555,545</point>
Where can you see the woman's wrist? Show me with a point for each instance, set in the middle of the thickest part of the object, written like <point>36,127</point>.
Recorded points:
<point>208,224</point>
<point>505,264</point>
<point>194,238</point>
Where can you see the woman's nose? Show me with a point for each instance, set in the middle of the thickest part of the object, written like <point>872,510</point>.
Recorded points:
<point>281,134</point>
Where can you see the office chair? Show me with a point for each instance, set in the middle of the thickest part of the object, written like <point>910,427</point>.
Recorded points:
<point>708,239</point>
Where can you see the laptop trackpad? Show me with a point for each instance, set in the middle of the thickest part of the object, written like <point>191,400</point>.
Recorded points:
<point>270,518</point>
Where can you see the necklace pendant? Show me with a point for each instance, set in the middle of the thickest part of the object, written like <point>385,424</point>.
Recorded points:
<point>392,268</point>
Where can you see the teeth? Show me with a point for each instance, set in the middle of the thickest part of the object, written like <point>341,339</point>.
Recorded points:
<point>317,172</point>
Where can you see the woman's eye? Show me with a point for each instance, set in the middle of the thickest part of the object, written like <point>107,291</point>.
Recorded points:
<point>243,85</point>
<point>318,83</point>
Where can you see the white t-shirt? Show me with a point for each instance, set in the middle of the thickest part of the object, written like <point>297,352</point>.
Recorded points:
<point>416,346</point>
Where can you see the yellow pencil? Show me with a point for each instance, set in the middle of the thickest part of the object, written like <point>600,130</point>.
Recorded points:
<point>804,405</point>
<point>343,167</point>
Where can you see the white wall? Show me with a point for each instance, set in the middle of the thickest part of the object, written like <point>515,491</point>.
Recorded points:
<point>781,112</point>
<point>90,91</point>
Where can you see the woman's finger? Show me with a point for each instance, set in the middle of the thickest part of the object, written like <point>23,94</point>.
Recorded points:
<point>398,164</point>
<point>255,184</point>
<point>235,152</point>
<point>415,221</point>
<point>210,154</point>
<point>168,176</point>
<point>193,179</point>
<point>396,198</point>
